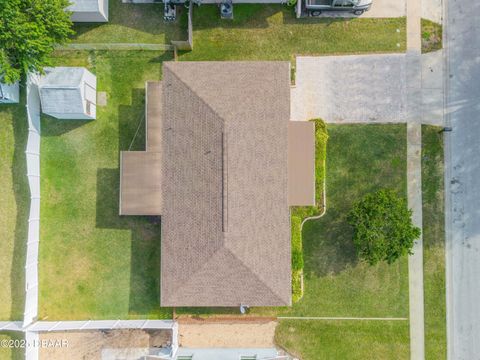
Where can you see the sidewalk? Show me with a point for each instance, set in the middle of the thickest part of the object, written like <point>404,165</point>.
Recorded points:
<point>414,176</point>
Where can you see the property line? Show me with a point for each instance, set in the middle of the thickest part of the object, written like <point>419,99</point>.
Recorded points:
<point>115,46</point>
<point>342,318</point>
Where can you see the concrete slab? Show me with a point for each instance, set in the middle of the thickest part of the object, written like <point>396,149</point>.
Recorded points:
<point>101,98</point>
<point>433,10</point>
<point>356,88</point>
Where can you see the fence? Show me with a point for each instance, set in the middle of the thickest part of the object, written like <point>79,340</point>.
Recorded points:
<point>186,44</point>
<point>33,174</point>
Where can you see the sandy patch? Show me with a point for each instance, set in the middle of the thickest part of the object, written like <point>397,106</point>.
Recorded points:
<point>88,345</point>
<point>230,335</point>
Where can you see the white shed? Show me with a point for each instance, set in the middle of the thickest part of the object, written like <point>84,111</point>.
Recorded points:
<point>9,94</point>
<point>89,10</point>
<point>69,93</point>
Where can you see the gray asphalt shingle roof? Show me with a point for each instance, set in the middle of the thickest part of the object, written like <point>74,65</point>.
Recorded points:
<point>225,218</point>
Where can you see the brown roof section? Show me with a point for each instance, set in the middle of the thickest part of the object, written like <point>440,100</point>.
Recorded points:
<point>225,219</point>
<point>140,189</point>
<point>301,163</point>
<point>153,115</point>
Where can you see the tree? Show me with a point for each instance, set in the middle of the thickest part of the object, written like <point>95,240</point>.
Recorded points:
<point>29,31</point>
<point>383,228</point>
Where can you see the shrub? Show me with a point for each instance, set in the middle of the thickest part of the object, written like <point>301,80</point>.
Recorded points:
<point>383,228</point>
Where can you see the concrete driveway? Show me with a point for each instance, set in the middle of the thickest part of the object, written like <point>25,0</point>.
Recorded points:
<point>356,88</point>
<point>368,88</point>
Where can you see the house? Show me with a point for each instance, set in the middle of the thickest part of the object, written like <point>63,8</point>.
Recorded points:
<point>89,10</point>
<point>217,168</point>
<point>68,93</point>
<point>9,93</point>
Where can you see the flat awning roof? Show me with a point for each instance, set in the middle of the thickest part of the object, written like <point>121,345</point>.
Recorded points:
<point>140,183</point>
<point>301,163</point>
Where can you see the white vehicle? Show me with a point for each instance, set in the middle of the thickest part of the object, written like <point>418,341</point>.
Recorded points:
<point>357,7</point>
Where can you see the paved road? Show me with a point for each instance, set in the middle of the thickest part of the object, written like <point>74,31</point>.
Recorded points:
<point>463,175</point>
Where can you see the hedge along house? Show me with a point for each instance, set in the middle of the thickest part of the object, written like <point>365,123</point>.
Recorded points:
<point>68,93</point>
<point>89,10</point>
<point>217,167</point>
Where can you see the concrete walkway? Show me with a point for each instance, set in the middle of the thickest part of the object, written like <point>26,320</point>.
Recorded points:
<point>378,88</point>
<point>414,176</point>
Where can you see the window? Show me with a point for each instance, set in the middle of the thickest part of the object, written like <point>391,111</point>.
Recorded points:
<point>343,3</point>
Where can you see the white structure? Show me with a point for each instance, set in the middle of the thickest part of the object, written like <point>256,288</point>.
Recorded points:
<point>69,93</point>
<point>9,94</point>
<point>89,10</point>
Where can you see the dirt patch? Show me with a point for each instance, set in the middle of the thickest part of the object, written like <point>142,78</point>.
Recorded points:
<point>88,345</point>
<point>227,335</point>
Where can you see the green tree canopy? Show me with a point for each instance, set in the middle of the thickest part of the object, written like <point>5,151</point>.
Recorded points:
<point>383,228</point>
<point>29,30</point>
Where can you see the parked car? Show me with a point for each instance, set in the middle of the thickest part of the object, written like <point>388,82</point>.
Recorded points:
<point>358,7</point>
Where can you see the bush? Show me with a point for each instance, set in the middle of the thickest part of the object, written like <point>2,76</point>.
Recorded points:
<point>383,228</point>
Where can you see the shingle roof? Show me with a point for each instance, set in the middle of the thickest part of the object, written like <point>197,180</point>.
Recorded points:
<point>225,218</point>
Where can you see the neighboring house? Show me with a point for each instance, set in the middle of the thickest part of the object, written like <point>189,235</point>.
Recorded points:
<point>89,10</point>
<point>68,93</point>
<point>9,94</point>
<point>217,168</point>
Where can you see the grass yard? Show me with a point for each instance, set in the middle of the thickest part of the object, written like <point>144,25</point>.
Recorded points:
<point>360,159</point>
<point>14,203</point>
<point>434,243</point>
<point>313,340</point>
<point>10,352</point>
<point>271,32</point>
<point>93,263</point>
<point>131,23</point>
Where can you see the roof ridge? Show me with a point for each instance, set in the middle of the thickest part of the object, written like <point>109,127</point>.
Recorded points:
<point>196,93</point>
<point>199,269</point>
<point>279,297</point>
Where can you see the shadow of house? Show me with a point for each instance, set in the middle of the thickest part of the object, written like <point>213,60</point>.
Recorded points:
<point>145,243</point>
<point>144,296</point>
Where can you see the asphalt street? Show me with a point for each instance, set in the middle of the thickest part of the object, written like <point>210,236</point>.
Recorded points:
<point>463,178</point>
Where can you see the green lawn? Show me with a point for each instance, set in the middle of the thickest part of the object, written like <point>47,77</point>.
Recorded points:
<point>360,159</point>
<point>318,340</point>
<point>271,32</point>
<point>11,353</point>
<point>131,23</point>
<point>93,263</point>
<point>14,203</point>
<point>434,243</point>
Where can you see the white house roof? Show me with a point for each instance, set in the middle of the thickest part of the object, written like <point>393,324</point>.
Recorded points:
<point>85,6</point>
<point>62,101</point>
<point>61,90</point>
<point>62,77</point>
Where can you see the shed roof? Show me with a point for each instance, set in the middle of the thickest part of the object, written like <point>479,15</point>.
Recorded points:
<point>85,6</point>
<point>225,219</point>
<point>61,90</point>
